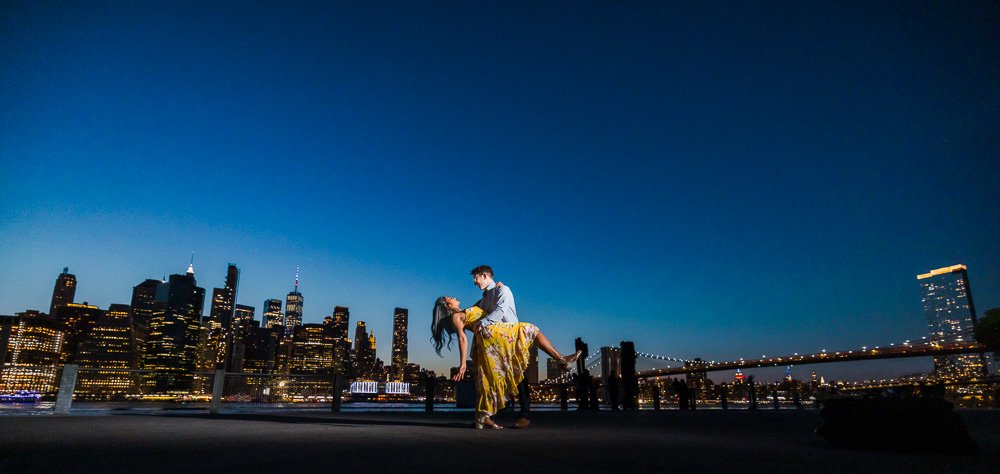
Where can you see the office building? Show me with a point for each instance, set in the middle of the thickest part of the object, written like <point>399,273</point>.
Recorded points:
<point>400,345</point>
<point>108,349</point>
<point>951,317</point>
<point>174,329</point>
<point>273,316</point>
<point>531,373</point>
<point>553,370</point>
<point>74,321</point>
<point>64,291</point>
<point>33,354</point>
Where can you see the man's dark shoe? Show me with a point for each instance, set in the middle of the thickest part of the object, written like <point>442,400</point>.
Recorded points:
<point>521,423</point>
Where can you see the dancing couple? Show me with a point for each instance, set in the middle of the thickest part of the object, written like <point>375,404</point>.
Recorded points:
<point>501,352</point>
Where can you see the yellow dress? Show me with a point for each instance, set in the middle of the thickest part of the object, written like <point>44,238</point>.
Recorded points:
<point>500,360</point>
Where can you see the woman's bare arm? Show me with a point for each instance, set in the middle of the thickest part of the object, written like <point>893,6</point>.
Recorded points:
<point>463,344</point>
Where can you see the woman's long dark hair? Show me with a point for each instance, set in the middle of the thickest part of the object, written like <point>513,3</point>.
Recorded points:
<point>441,325</point>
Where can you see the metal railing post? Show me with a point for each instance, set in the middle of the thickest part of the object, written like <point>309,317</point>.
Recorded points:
<point>564,397</point>
<point>338,392</point>
<point>429,395</point>
<point>67,384</point>
<point>217,385</point>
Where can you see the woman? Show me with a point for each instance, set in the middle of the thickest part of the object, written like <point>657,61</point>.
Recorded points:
<point>500,356</point>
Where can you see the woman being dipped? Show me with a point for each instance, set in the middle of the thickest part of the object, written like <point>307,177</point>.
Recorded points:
<point>500,357</point>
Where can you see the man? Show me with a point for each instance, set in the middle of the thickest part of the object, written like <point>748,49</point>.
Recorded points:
<point>497,304</point>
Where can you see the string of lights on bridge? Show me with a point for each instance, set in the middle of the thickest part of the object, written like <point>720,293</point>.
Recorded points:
<point>921,343</point>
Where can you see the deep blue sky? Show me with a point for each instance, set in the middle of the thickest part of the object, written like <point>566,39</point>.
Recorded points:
<point>718,181</point>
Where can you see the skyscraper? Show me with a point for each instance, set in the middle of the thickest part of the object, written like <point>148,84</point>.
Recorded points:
<point>34,353</point>
<point>220,341</point>
<point>242,316</point>
<point>341,321</point>
<point>273,317</point>
<point>400,346</point>
<point>951,317</point>
<point>108,349</point>
<point>144,301</point>
<point>172,344</point>
<point>64,291</point>
<point>293,308</point>
<point>75,320</point>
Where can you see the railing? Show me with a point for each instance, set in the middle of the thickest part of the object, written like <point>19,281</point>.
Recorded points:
<point>57,388</point>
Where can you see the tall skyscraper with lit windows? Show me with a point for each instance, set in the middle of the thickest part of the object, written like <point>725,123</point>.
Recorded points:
<point>174,330</point>
<point>341,321</point>
<point>64,291</point>
<point>273,316</point>
<point>951,317</point>
<point>293,308</point>
<point>400,345</point>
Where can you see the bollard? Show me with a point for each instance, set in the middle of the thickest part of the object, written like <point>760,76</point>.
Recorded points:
<point>338,393</point>
<point>656,397</point>
<point>629,379</point>
<point>429,396</point>
<point>563,397</point>
<point>67,384</point>
<point>217,385</point>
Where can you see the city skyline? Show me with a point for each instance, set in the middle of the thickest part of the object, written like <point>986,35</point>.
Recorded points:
<point>714,181</point>
<point>339,318</point>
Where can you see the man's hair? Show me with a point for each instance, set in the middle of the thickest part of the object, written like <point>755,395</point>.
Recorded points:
<point>482,269</point>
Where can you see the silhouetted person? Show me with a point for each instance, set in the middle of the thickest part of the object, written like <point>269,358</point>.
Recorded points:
<point>614,390</point>
<point>753,392</point>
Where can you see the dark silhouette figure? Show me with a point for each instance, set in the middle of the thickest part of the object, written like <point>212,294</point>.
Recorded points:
<point>614,390</point>
<point>656,397</point>
<point>774,398</point>
<point>753,392</point>
<point>724,396</point>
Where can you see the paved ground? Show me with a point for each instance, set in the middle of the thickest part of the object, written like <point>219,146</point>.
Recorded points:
<point>669,441</point>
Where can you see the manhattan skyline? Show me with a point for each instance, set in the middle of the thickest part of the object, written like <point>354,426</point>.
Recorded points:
<point>718,182</point>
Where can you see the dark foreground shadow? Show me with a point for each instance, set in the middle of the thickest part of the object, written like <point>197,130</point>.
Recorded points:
<point>295,419</point>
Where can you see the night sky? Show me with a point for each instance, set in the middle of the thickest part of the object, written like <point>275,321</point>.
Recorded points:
<point>715,181</point>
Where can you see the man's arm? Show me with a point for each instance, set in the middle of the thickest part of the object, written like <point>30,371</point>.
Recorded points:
<point>504,309</point>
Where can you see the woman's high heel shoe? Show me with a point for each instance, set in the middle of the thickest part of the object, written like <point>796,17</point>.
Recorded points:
<point>566,362</point>
<point>486,422</point>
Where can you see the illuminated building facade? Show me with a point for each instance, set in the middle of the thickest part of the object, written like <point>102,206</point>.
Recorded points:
<point>261,349</point>
<point>341,321</point>
<point>220,335</point>
<point>74,321</point>
<point>951,317</point>
<point>64,291</point>
<point>144,301</point>
<point>273,317</point>
<point>106,356</point>
<point>6,327</point>
<point>312,350</point>
<point>33,354</point>
<point>243,315</point>
<point>293,308</point>
<point>172,344</point>
<point>400,345</point>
